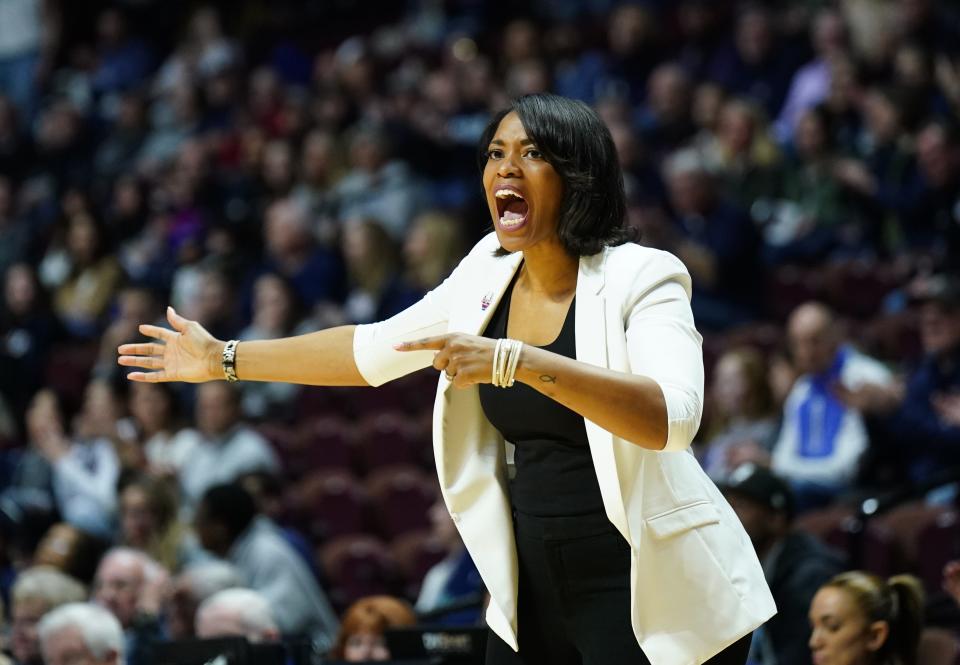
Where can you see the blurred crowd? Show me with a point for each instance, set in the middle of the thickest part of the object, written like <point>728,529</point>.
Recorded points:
<point>271,168</point>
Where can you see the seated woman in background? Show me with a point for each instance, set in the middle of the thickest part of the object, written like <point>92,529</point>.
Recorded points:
<point>376,290</point>
<point>432,249</point>
<point>744,423</point>
<point>148,522</point>
<point>364,623</point>
<point>861,619</point>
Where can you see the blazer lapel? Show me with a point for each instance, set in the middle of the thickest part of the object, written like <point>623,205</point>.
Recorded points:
<point>481,300</point>
<point>590,326</point>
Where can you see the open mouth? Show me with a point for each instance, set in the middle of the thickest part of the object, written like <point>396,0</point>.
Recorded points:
<point>512,208</point>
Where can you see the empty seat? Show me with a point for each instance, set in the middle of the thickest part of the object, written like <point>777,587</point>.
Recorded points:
<point>327,442</point>
<point>416,553</point>
<point>401,497</point>
<point>388,439</point>
<point>937,544</point>
<point>938,646</point>
<point>790,286</point>
<point>357,566</point>
<point>328,503</point>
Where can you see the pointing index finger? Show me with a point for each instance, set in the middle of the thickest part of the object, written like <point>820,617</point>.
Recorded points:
<point>434,343</point>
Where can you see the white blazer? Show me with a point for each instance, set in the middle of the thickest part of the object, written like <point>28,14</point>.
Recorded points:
<point>696,583</point>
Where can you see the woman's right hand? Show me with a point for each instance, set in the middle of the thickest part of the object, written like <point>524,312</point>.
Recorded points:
<point>187,353</point>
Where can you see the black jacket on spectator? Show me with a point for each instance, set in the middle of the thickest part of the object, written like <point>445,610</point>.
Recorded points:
<point>795,568</point>
<point>915,430</point>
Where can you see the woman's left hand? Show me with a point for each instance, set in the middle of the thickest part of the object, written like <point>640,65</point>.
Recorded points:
<point>466,359</point>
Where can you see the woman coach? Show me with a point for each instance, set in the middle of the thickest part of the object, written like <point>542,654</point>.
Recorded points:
<point>580,349</point>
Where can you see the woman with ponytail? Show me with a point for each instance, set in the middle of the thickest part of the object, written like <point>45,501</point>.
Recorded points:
<point>861,619</point>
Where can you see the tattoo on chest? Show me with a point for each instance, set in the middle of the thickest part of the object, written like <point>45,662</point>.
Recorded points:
<point>546,378</point>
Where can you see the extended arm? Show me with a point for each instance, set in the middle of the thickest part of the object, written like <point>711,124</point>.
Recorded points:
<point>626,405</point>
<point>190,353</point>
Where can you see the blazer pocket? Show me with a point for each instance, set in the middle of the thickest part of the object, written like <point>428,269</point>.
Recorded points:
<point>682,518</point>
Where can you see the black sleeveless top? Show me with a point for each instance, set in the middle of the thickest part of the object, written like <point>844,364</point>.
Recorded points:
<point>554,470</point>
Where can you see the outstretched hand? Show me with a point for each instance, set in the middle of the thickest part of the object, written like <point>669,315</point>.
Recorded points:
<point>186,353</point>
<point>466,359</point>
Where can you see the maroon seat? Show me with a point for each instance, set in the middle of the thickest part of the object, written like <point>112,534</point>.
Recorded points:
<point>789,287</point>
<point>857,288</point>
<point>937,544</point>
<point>327,442</point>
<point>401,497</point>
<point>938,646</point>
<point>329,503</point>
<point>68,370</point>
<point>415,554</point>
<point>313,402</point>
<point>357,566</point>
<point>389,439</point>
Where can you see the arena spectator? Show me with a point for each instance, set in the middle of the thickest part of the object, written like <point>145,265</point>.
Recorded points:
<point>376,185</point>
<point>131,586</point>
<point>85,466</point>
<point>70,551</point>
<point>742,154</point>
<point>929,413</point>
<point>115,158</point>
<point>228,526</point>
<point>81,633</point>
<point>36,592</point>
<point>822,438</point>
<point>811,83</point>
<point>858,617</point>
<point>665,121</point>
<point>149,523</point>
<point>453,580</point>
<point>15,232</point>
<point>435,238</point>
<point>132,304</point>
<point>93,278</point>
<point>813,218</point>
<point>29,491</point>
<point>756,64</point>
<point>319,172</point>
<point>154,419</point>
<point>716,240</point>
<point>29,331</point>
<point>361,633</point>
<point>267,490</point>
<point>315,272</point>
<point>27,44</point>
<point>376,290</point>
<point>277,312</point>
<point>190,589</point>
<point>237,613</point>
<point>743,425</point>
<point>224,448</point>
<point>794,563</point>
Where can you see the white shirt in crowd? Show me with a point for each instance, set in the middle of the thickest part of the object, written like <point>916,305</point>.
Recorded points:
<point>821,440</point>
<point>212,461</point>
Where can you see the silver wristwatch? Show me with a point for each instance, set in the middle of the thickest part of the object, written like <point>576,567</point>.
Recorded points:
<point>228,360</point>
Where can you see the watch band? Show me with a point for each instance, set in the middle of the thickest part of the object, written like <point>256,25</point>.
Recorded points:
<point>228,361</point>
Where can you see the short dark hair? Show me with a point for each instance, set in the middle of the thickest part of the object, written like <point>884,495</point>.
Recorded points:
<point>231,506</point>
<point>577,143</point>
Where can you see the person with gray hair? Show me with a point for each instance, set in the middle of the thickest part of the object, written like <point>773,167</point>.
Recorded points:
<point>716,240</point>
<point>237,613</point>
<point>191,588</point>
<point>131,585</point>
<point>36,592</point>
<point>81,633</point>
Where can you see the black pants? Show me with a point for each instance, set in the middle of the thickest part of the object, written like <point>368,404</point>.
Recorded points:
<point>574,597</point>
